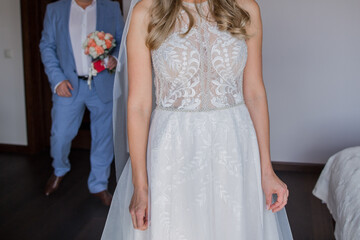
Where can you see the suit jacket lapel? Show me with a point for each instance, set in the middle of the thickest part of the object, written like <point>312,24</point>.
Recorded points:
<point>67,32</point>
<point>99,17</point>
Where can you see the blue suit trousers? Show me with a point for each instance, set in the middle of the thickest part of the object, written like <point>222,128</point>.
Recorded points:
<point>66,120</point>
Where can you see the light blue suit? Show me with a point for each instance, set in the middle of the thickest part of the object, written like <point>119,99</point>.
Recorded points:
<point>67,112</point>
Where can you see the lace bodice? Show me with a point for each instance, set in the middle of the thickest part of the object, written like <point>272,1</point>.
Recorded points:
<point>202,71</point>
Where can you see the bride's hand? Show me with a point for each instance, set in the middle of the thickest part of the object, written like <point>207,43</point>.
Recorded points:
<point>271,184</point>
<point>139,209</point>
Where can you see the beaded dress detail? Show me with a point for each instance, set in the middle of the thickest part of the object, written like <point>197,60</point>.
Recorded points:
<point>201,71</point>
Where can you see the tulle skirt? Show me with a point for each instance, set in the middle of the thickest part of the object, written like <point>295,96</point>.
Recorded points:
<point>204,182</point>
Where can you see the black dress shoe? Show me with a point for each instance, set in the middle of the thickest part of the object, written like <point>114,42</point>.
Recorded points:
<point>52,184</point>
<point>104,196</point>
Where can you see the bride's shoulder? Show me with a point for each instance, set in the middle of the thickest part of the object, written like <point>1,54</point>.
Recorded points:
<point>251,6</point>
<point>253,9</point>
<point>142,8</point>
<point>141,13</point>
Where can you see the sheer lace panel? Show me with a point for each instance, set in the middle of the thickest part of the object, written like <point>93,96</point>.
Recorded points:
<point>202,71</point>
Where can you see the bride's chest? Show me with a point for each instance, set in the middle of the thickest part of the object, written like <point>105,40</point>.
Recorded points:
<point>205,46</point>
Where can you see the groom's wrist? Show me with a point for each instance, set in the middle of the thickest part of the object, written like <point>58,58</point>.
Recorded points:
<point>56,86</point>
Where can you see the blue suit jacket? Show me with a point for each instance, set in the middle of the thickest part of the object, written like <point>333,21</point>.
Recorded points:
<point>56,49</point>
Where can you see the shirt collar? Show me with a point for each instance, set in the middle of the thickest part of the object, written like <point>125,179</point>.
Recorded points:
<point>91,5</point>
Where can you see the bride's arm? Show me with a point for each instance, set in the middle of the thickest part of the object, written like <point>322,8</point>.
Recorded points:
<point>139,110</point>
<point>256,102</point>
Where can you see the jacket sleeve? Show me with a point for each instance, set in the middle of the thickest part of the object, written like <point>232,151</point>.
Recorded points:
<point>48,50</point>
<point>119,29</point>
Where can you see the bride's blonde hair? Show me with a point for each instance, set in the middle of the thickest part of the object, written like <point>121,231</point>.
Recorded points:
<point>228,15</point>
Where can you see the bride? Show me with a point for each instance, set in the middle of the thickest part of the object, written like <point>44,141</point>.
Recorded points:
<point>200,169</point>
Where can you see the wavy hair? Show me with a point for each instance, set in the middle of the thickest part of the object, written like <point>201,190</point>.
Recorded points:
<point>228,15</point>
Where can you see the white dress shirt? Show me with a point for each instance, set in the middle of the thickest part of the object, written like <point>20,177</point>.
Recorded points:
<point>81,23</point>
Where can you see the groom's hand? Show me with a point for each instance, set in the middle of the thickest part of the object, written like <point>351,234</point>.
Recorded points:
<point>63,90</point>
<point>111,63</point>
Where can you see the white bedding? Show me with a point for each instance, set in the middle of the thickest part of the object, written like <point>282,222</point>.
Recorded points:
<point>339,187</point>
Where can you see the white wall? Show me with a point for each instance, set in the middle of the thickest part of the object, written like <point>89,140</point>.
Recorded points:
<point>311,56</point>
<point>12,96</point>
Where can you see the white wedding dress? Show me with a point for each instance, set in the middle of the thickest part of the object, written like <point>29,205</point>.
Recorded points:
<point>203,158</point>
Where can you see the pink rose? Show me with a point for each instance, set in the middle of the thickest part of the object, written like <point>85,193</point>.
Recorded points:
<point>91,43</point>
<point>101,35</point>
<point>99,50</point>
<point>108,43</point>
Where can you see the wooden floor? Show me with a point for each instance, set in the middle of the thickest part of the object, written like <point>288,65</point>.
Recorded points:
<point>72,213</point>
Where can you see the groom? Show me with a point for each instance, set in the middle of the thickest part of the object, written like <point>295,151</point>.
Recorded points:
<point>66,26</point>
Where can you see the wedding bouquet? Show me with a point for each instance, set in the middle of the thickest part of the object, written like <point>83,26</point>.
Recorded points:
<point>98,46</point>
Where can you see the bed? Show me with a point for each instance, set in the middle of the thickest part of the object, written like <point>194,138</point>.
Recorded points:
<point>339,188</point>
